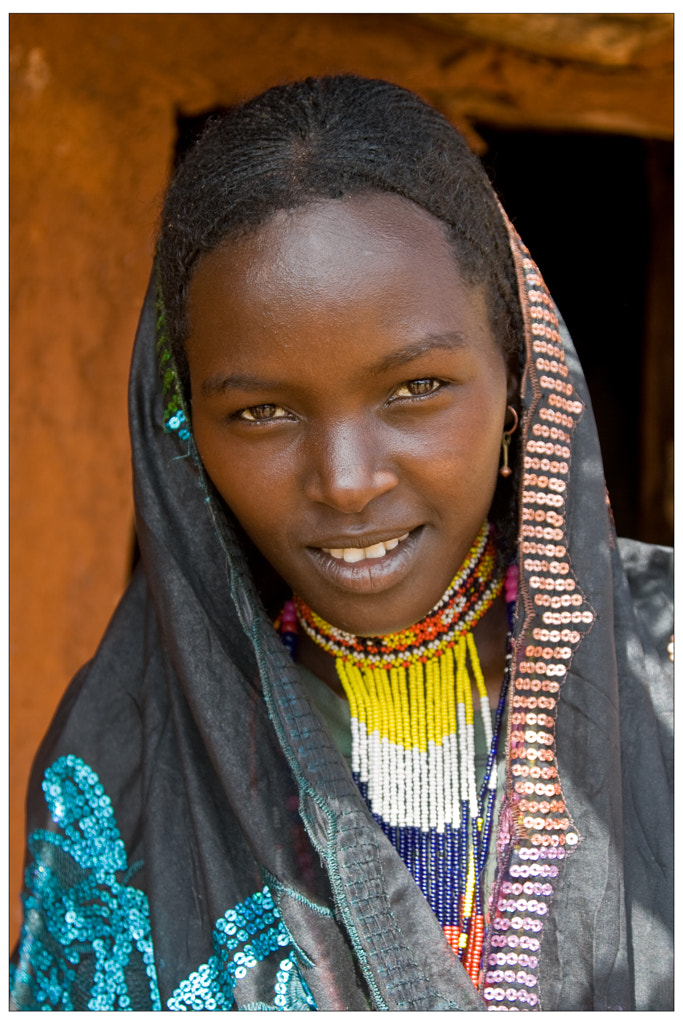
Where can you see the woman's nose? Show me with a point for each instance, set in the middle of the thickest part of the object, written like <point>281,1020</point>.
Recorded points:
<point>348,468</point>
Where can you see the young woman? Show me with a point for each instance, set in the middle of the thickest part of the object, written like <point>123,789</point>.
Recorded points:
<point>384,718</point>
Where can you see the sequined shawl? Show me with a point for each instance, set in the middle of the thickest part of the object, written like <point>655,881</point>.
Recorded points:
<point>195,839</point>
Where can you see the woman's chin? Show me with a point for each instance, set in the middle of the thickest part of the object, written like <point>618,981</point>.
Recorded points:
<point>376,596</point>
<point>368,576</point>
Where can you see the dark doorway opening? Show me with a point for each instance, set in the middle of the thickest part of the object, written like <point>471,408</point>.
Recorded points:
<point>595,212</point>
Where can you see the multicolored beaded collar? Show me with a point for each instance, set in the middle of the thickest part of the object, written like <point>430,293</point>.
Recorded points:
<point>412,722</point>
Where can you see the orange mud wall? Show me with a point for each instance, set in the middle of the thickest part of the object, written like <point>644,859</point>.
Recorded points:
<point>93,106</point>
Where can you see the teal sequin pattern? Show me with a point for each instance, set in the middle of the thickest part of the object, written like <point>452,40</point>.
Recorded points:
<point>86,941</point>
<point>243,938</point>
<point>175,418</point>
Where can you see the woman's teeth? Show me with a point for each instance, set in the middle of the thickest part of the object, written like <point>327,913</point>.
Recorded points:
<point>360,554</point>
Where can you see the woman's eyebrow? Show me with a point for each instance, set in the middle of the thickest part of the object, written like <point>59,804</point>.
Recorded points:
<point>219,383</point>
<point>448,341</point>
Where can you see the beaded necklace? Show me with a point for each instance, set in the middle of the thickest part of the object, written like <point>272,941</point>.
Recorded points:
<point>412,727</point>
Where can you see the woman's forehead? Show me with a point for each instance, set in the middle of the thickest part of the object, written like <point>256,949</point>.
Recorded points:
<point>366,224</point>
<point>336,250</point>
<point>359,282</point>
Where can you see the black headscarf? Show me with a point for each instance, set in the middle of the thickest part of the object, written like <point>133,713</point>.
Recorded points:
<point>196,840</point>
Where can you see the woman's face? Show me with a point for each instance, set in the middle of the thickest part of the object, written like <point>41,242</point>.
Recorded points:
<point>348,402</point>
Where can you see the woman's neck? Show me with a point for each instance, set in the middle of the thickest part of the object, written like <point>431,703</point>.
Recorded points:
<point>490,635</point>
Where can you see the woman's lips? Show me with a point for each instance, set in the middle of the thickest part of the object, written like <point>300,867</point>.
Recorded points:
<point>377,550</point>
<point>370,568</point>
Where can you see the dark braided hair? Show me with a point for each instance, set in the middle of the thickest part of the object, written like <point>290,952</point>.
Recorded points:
<point>325,138</point>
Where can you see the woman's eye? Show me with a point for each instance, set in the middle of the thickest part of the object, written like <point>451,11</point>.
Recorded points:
<point>262,413</point>
<point>418,388</point>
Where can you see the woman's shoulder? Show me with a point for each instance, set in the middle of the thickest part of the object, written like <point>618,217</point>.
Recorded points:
<point>649,559</point>
<point>649,572</point>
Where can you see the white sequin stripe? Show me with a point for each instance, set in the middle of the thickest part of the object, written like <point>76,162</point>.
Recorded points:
<point>487,719</point>
<point>472,780</point>
<point>452,779</point>
<point>357,743</point>
<point>400,789</point>
<point>375,770</point>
